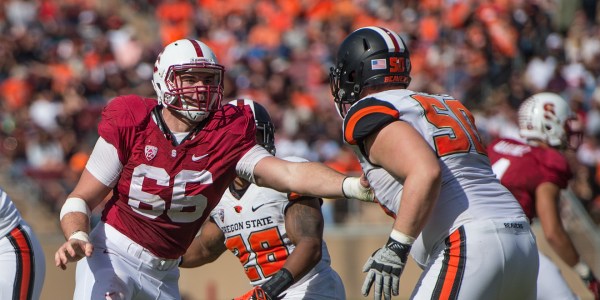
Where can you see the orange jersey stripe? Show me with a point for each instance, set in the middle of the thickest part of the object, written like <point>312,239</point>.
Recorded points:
<point>25,259</point>
<point>356,117</point>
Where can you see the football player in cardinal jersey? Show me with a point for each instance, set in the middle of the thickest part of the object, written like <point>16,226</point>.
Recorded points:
<point>428,166</point>
<point>535,170</point>
<point>278,237</point>
<point>167,163</point>
<point>21,256</point>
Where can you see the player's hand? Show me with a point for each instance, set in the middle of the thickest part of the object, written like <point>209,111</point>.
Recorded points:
<point>358,188</point>
<point>588,278</point>
<point>257,293</point>
<point>593,285</point>
<point>384,268</point>
<point>73,250</point>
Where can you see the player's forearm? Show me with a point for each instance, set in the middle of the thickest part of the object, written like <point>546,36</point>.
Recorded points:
<point>205,248</point>
<point>75,216</point>
<point>418,199</point>
<point>197,259</point>
<point>306,255</point>
<point>316,179</point>
<point>74,222</point>
<point>562,245</point>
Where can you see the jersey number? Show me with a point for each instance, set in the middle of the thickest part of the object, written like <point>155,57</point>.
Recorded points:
<point>500,167</point>
<point>183,208</point>
<point>457,133</point>
<point>266,246</point>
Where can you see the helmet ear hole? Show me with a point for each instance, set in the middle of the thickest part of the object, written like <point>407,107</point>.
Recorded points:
<point>351,76</point>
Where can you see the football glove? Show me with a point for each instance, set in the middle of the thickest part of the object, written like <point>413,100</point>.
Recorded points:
<point>272,289</point>
<point>384,268</point>
<point>257,293</point>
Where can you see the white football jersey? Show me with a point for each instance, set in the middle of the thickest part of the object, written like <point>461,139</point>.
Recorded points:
<point>255,232</point>
<point>9,215</point>
<point>469,191</point>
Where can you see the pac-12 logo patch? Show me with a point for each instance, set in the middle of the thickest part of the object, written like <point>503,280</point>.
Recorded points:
<point>150,152</point>
<point>221,213</point>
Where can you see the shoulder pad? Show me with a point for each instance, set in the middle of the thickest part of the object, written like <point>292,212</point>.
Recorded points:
<point>366,117</point>
<point>127,111</point>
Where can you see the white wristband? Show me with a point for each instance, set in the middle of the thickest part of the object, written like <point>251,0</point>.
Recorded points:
<point>401,237</point>
<point>352,189</point>
<point>80,235</point>
<point>582,269</point>
<point>75,205</point>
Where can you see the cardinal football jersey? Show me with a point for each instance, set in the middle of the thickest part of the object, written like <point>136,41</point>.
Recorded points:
<point>254,228</point>
<point>522,168</point>
<point>166,192</point>
<point>469,189</point>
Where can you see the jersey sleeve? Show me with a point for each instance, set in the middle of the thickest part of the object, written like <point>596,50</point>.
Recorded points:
<point>366,117</point>
<point>555,168</point>
<point>121,121</point>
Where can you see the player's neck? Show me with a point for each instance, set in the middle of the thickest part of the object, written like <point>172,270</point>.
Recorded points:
<point>176,122</point>
<point>238,187</point>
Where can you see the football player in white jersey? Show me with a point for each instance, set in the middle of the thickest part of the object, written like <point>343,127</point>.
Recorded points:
<point>278,237</point>
<point>167,161</point>
<point>21,256</point>
<point>425,160</point>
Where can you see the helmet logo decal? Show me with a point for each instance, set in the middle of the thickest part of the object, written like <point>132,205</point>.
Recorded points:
<point>396,78</point>
<point>549,111</point>
<point>150,152</point>
<point>378,64</point>
<point>397,64</point>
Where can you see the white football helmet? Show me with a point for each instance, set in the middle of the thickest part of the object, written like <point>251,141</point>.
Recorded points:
<point>188,56</point>
<point>548,117</point>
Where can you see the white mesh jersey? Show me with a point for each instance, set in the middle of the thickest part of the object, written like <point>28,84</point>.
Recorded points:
<point>9,215</point>
<point>469,190</point>
<point>255,232</point>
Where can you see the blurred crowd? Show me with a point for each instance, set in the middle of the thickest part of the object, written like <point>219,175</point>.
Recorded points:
<point>61,61</point>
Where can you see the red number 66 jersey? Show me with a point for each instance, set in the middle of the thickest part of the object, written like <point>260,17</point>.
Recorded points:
<point>165,192</point>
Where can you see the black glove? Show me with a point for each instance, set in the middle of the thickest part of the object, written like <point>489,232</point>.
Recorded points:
<point>384,268</point>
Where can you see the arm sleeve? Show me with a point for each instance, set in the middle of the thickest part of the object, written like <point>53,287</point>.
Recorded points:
<point>104,163</point>
<point>245,166</point>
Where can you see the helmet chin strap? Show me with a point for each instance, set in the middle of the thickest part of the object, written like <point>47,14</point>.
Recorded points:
<point>191,115</point>
<point>194,116</point>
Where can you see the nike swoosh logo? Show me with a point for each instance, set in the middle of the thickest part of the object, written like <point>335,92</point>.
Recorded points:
<point>257,207</point>
<point>197,158</point>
